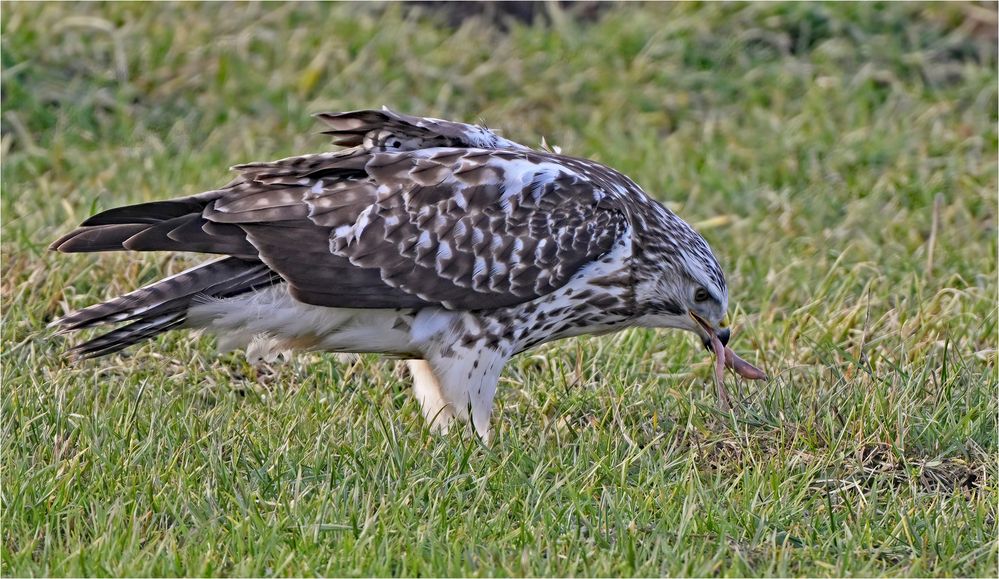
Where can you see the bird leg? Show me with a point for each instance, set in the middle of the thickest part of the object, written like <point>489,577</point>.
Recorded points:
<point>427,391</point>
<point>467,378</point>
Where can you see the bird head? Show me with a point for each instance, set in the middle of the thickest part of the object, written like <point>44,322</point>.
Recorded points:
<point>682,286</point>
<point>707,310</point>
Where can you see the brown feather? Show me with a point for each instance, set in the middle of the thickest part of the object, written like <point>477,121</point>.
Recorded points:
<point>390,225</point>
<point>97,238</point>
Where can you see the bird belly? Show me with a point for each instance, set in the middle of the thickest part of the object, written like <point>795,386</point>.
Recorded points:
<point>293,325</point>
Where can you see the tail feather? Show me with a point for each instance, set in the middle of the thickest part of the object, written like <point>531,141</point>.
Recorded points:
<point>125,336</point>
<point>152,211</point>
<point>173,225</point>
<point>100,238</point>
<point>131,228</point>
<point>163,305</point>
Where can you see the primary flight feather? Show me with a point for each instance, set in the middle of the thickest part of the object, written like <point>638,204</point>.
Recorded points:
<point>436,241</point>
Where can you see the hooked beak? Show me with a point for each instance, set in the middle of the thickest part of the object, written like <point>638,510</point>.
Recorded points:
<point>723,334</point>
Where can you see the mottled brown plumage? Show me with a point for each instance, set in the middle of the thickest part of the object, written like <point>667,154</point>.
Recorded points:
<point>464,245</point>
<point>390,224</point>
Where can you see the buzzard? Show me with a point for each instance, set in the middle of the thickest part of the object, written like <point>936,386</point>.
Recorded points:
<point>431,240</point>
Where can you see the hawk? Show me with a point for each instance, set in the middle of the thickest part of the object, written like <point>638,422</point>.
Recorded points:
<point>436,241</point>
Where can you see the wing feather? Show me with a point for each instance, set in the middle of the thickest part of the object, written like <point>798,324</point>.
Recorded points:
<point>466,241</point>
<point>419,212</point>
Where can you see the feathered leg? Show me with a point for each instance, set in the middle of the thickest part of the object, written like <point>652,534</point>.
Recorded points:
<point>467,378</point>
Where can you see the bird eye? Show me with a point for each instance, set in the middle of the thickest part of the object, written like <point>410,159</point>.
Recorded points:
<point>701,295</point>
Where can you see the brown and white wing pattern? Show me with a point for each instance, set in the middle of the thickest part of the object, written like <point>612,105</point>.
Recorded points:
<point>418,212</point>
<point>458,227</point>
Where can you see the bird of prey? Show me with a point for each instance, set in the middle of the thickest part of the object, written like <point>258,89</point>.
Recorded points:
<point>436,241</point>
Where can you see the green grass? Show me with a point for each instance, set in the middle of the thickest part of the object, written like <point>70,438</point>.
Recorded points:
<point>840,158</point>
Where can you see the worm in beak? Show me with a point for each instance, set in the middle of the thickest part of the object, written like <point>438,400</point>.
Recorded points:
<point>724,356</point>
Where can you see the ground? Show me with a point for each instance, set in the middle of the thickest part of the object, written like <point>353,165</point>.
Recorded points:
<point>840,159</point>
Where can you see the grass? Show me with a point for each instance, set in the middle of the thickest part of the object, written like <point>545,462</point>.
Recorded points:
<point>840,158</point>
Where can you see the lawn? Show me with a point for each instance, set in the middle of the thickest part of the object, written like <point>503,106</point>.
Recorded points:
<point>841,159</point>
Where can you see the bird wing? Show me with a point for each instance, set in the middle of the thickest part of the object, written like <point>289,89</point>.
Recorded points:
<point>463,228</point>
<point>410,216</point>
